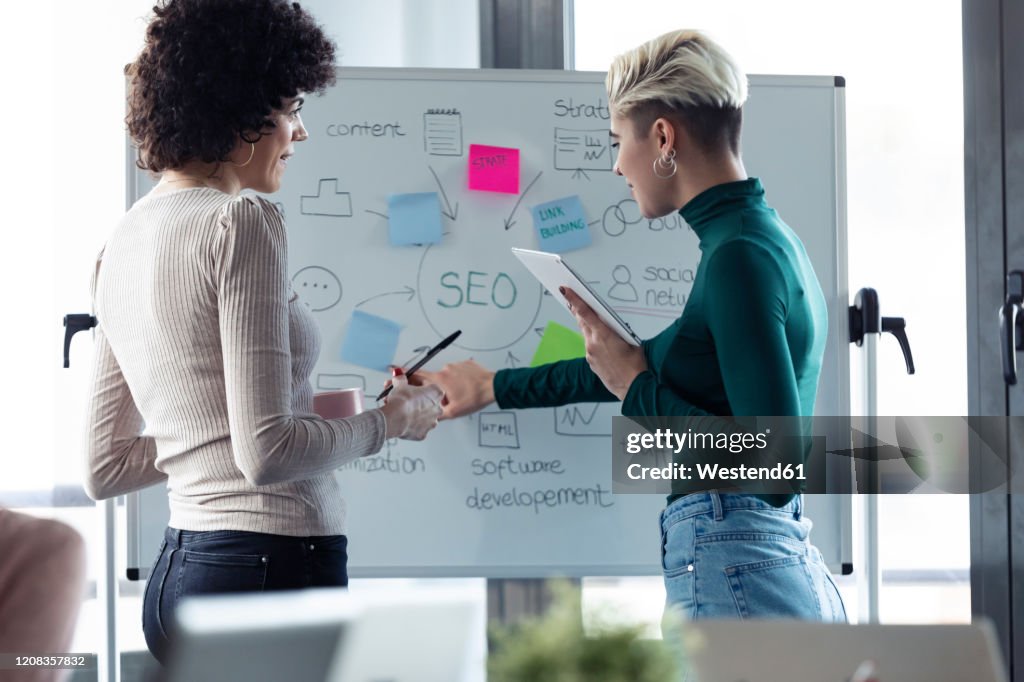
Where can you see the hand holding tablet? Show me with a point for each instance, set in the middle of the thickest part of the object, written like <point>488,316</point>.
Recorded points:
<point>553,272</point>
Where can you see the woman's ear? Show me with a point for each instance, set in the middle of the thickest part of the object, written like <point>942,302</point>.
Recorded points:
<point>665,133</point>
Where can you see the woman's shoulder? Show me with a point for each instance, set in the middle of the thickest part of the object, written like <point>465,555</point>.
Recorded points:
<point>745,245</point>
<point>249,209</point>
<point>750,257</point>
<point>250,222</point>
<point>762,232</point>
<point>165,210</point>
<point>192,200</point>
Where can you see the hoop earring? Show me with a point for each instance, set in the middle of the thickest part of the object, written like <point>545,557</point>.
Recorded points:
<point>666,162</point>
<point>252,153</point>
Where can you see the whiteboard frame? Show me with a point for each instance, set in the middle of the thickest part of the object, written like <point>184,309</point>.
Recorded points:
<point>139,182</point>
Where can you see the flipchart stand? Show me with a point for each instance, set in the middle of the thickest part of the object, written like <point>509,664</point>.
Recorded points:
<point>866,326</point>
<point>108,660</point>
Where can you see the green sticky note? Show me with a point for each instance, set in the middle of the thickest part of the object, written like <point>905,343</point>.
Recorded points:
<point>558,343</point>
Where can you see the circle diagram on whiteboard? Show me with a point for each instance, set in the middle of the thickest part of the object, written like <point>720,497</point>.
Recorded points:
<point>491,297</point>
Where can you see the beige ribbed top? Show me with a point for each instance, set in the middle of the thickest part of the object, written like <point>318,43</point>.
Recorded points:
<point>203,347</point>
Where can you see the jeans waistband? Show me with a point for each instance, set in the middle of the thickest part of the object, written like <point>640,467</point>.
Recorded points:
<point>176,537</point>
<point>717,504</point>
<point>179,538</point>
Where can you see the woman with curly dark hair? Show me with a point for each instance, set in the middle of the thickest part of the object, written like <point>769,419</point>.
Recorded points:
<point>204,352</point>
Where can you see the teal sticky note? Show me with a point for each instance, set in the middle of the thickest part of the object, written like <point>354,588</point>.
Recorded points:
<point>414,219</point>
<point>371,341</point>
<point>561,225</point>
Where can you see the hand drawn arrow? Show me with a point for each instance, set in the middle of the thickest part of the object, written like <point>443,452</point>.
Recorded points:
<point>508,221</point>
<point>449,213</point>
<point>578,173</point>
<point>512,360</point>
<point>408,291</point>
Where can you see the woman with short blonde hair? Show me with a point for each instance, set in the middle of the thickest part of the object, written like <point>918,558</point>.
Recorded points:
<point>748,343</point>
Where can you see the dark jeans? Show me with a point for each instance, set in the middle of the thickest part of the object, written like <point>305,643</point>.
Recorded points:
<point>221,561</point>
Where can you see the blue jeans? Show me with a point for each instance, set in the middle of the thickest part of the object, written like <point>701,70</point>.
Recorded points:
<point>734,556</point>
<point>222,561</point>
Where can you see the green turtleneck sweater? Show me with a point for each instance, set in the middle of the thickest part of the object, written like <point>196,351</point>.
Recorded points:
<point>750,339</point>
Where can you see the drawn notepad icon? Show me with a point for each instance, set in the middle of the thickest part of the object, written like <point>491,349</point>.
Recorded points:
<point>442,132</point>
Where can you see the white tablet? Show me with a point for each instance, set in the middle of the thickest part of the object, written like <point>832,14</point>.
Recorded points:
<point>553,272</point>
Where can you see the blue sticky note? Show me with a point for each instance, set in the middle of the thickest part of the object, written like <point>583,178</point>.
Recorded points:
<point>561,225</point>
<point>370,341</point>
<point>414,219</point>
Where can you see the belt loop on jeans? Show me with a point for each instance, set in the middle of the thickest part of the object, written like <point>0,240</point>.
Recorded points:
<point>173,537</point>
<point>799,506</point>
<point>716,504</point>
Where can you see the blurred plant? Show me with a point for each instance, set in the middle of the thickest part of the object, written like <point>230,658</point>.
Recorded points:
<point>555,648</point>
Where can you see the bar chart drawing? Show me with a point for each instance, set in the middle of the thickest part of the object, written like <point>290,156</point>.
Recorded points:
<point>579,150</point>
<point>328,201</point>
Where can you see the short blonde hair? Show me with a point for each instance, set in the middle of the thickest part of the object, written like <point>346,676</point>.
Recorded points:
<point>683,73</point>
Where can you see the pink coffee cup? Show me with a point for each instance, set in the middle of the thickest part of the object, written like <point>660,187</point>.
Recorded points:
<point>338,404</point>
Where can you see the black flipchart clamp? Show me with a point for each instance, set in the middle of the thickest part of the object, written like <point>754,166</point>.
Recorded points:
<point>74,323</point>
<point>866,318</point>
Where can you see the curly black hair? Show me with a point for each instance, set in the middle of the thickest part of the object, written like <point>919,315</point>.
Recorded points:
<point>212,71</point>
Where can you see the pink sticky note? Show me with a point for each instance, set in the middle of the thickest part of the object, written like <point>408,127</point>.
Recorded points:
<point>493,169</point>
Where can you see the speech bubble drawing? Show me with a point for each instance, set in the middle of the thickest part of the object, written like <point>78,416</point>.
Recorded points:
<point>318,287</point>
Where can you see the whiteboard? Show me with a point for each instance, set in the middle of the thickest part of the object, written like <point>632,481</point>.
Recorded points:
<point>473,499</point>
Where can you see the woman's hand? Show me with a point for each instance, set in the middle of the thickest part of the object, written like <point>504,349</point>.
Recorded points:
<point>410,412</point>
<point>614,361</point>
<point>467,386</point>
